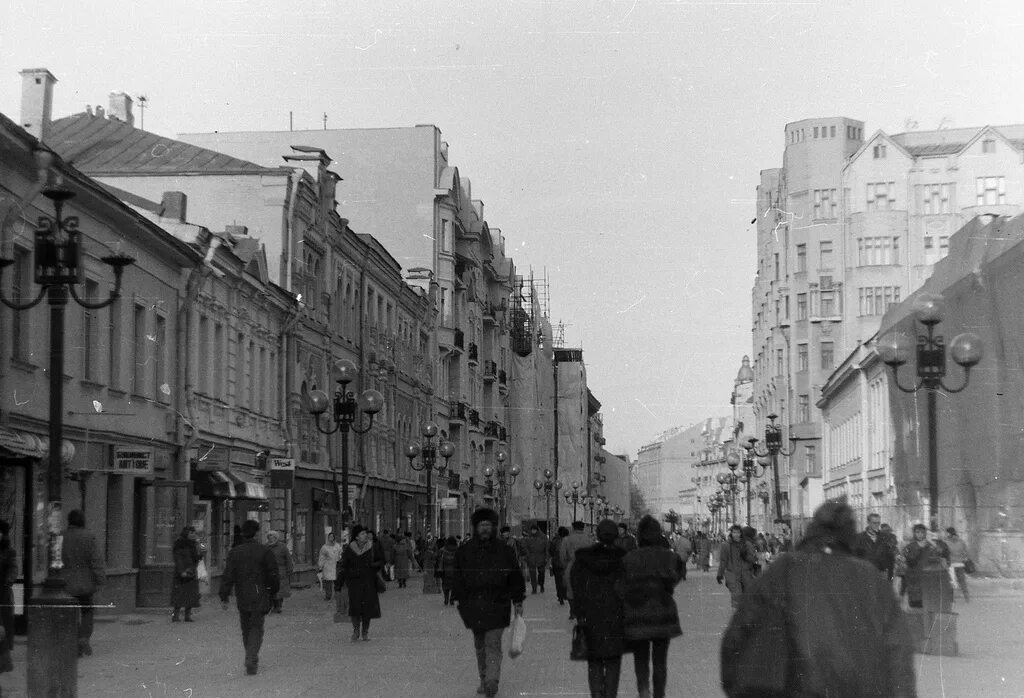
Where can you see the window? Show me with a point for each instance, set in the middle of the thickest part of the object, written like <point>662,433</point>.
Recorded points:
<point>804,409</point>
<point>879,151</point>
<point>780,362</point>
<point>881,196</point>
<point>444,235</point>
<point>160,362</point>
<point>831,131</point>
<point>828,303</point>
<point>825,203</point>
<point>825,260</point>
<point>988,145</point>
<point>936,198</point>
<point>263,374</point>
<point>991,191</point>
<point>21,291</point>
<point>217,387</point>
<point>786,305</point>
<point>204,367</point>
<point>828,356</point>
<point>801,306</point>
<point>815,131</point>
<point>876,300</point>
<point>802,362</point>
<point>252,377</point>
<point>777,266</point>
<point>114,344</point>
<point>810,458</point>
<point>878,250</point>
<point>943,246</point>
<point>801,258</point>
<point>90,333</point>
<point>139,351</point>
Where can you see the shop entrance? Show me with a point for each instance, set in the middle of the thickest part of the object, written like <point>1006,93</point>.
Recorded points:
<point>161,511</point>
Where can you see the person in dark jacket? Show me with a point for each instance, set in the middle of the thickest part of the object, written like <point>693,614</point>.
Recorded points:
<point>185,585</point>
<point>794,635</point>
<point>359,567</point>
<point>84,573</point>
<point>873,546</point>
<point>251,571</point>
<point>926,560</point>
<point>446,566</point>
<point>535,553</point>
<point>488,581</point>
<point>736,558</point>
<point>597,577</point>
<point>626,540</point>
<point>8,574</point>
<point>650,616</point>
<point>557,570</point>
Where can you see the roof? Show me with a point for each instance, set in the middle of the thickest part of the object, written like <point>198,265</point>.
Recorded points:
<point>102,146</point>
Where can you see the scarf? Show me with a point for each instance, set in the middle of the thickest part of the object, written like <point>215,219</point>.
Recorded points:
<point>358,548</point>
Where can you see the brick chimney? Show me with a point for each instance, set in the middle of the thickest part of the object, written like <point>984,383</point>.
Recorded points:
<point>121,108</point>
<point>37,101</point>
<point>174,205</point>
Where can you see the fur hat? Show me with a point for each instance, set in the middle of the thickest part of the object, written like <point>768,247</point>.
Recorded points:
<point>607,532</point>
<point>833,524</point>
<point>483,514</point>
<point>648,531</point>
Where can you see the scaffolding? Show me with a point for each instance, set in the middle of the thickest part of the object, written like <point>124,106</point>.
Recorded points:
<point>529,308</point>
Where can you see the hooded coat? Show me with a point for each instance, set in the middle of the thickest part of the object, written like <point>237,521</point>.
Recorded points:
<point>649,606</point>
<point>794,635</point>
<point>597,579</point>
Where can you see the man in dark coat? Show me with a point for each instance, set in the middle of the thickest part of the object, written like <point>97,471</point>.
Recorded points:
<point>84,572</point>
<point>557,570</point>
<point>488,580</point>
<point>736,559</point>
<point>794,635</point>
<point>252,571</point>
<point>874,546</point>
<point>535,552</point>
<point>626,541</point>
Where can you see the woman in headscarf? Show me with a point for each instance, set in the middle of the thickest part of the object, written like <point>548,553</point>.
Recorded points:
<point>327,563</point>
<point>359,568</point>
<point>185,585</point>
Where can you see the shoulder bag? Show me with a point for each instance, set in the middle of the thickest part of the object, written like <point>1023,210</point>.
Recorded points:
<point>579,649</point>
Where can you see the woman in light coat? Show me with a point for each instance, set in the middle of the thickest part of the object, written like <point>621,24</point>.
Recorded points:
<point>403,561</point>
<point>327,562</point>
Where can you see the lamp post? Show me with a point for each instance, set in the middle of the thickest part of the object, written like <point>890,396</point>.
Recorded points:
<point>428,461</point>
<point>549,485</point>
<point>764,495</point>
<point>773,444</point>
<point>753,469</point>
<point>966,350</point>
<point>730,483</point>
<point>574,497</point>
<point>345,409</point>
<point>715,505</point>
<point>591,502</point>
<point>58,269</point>
<point>506,478</point>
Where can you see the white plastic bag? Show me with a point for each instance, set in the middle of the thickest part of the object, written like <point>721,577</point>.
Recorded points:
<point>201,572</point>
<point>515,647</point>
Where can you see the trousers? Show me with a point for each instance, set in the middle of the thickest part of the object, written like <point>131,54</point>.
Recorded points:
<point>603,676</point>
<point>559,574</point>
<point>252,634</point>
<point>85,617</point>
<point>488,655</point>
<point>536,577</point>
<point>656,652</point>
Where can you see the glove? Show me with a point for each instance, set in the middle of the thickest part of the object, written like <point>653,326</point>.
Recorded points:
<point>718,579</point>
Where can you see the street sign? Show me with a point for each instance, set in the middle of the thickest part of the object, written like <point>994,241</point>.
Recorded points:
<point>134,461</point>
<point>449,502</point>
<point>282,473</point>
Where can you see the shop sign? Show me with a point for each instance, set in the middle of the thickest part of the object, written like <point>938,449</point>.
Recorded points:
<point>449,502</point>
<point>282,473</point>
<point>133,461</point>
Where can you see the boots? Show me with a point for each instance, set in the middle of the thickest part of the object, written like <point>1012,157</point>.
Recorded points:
<point>174,616</point>
<point>188,615</point>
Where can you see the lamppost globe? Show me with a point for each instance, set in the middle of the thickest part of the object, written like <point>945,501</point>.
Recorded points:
<point>447,450</point>
<point>318,401</point>
<point>733,460</point>
<point>558,484</point>
<point>373,401</point>
<point>501,455</point>
<point>537,484</point>
<point>894,348</point>
<point>514,470</point>
<point>488,471</point>
<point>346,370</point>
<point>721,478</point>
<point>430,430</point>
<point>764,461</point>
<point>928,308</point>
<point>966,349</point>
<point>548,474</point>
<point>575,484</point>
<point>412,450</point>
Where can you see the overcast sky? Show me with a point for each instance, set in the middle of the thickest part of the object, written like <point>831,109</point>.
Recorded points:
<point>616,144</point>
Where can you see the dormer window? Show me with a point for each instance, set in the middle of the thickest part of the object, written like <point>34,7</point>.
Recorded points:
<point>988,145</point>
<point>879,151</point>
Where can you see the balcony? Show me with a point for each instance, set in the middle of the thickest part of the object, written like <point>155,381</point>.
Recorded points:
<point>474,353</point>
<point>490,371</point>
<point>474,418</point>
<point>502,434</point>
<point>460,339</point>
<point>459,412</point>
<point>503,381</point>
<point>491,430</point>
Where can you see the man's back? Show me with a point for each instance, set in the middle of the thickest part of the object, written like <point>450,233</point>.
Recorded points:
<point>253,573</point>
<point>83,572</point>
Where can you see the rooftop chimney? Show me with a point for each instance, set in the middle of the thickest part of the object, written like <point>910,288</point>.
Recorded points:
<point>121,108</point>
<point>37,101</point>
<point>174,204</point>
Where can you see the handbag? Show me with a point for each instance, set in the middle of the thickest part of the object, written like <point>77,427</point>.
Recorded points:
<point>579,644</point>
<point>969,567</point>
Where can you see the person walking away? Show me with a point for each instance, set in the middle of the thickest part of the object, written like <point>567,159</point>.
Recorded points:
<point>403,559</point>
<point>925,556</point>
<point>794,635</point>
<point>446,567</point>
<point>83,574</point>
<point>360,567</point>
<point>597,578</point>
<point>535,552</point>
<point>327,563</point>
<point>185,584</point>
<point>488,581</point>
<point>872,545</point>
<point>557,571</point>
<point>387,544</point>
<point>8,574</point>
<point>283,557</point>
<point>577,540</point>
<point>750,536</point>
<point>626,541</point>
<point>736,563</point>
<point>958,556</point>
<point>703,552</point>
<point>251,572</point>
<point>650,616</point>
<point>683,547</point>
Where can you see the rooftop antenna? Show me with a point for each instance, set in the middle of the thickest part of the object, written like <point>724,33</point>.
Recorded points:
<point>143,101</point>
<point>291,122</point>
<point>325,121</point>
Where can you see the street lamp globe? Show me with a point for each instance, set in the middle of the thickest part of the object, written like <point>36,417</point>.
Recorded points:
<point>501,455</point>
<point>447,449</point>
<point>412,450</point>
<point>733,460</point>
<point>558,484</point>
<point>537,484</point>
<point>372,401</point>
<point>318,401</point>
<point>764,461</point>
<point>488,471</point>
<point>430,430</point>
<point>548,474</point>
<point>928,308</point>
<point>894,348</point>
<point>721,478</point>
<point>966,349</point>
<point>346,370</point>
<point>514,470</point>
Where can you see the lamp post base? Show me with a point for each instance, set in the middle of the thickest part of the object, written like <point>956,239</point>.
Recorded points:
<point>53,618</point>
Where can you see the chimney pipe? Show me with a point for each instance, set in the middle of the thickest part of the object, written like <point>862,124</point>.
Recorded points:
<point>121,108</point>
<point>37,101</point>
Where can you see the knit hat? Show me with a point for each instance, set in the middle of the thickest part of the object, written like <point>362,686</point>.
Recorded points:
<point>607,532</point>
<point>483,514</point>
<point>833,524</point>
<point>648,531</point>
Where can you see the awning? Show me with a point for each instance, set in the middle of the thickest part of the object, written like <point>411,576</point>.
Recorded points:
<point>223,484</point>
<point>21,443</point>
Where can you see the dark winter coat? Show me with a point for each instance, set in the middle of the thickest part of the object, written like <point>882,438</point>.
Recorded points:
<point>736,564</point>
<point>446,565</point>
<point>878,551</point>
<point>283,557</point>
<point>794,635</point>
<point>649,607</point>
<point>185,585</point>
<point>535,550</point>
<point>597,581</point>
<point>84,571</point>
<point>921,559</point>
<point>360,575</point>
<point>251,571</point>
<point>488,579</point>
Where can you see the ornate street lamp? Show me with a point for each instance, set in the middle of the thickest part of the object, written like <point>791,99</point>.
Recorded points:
<point>753,469</point>
<point>966,349</point>
<point>506,478</point>
<point>574,497</point>
<point>549,486</point>
<point>773,446</point>
<point>730,483</point>
<point>58,255</point>
<point>591,501</point>
<point>345,411</point>
<point>428,461</point>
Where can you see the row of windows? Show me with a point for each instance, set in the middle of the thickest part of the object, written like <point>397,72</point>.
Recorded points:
<point>825,258</point>
<point>827,355</point>
<point>876,300</point>
<point>845,442</point>
<point>825,203</point>
<point>934,198</point>
<point>798,135</point>
<point>878,250</point>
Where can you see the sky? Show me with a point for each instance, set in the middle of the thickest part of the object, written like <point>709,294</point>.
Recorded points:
<point>617,145</point>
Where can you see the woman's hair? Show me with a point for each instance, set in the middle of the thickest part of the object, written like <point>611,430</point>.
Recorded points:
<point>356,530</point>
<point>451,540</point>
<point>648,531</point>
